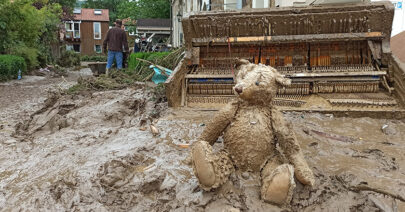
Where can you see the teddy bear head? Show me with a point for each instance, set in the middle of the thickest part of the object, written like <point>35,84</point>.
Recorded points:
<point>258,84</point>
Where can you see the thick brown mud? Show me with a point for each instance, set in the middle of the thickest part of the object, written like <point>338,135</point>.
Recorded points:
<point>93,153</point>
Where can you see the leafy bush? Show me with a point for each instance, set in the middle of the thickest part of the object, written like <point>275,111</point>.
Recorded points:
<point>69,59</point>
<point>29,54</point>
<point>94,58</point>
<point>28,28</point>
<point>166,59</point>
<point>9,66</point>
<point>118,79</point>
<point>150,56</point>
<point>85,58</point>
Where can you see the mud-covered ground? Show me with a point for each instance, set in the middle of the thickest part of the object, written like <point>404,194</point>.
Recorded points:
<point>95,152</point>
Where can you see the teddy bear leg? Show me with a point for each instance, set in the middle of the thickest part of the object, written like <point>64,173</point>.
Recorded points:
<point>277,182</point>
<point>212,170</point>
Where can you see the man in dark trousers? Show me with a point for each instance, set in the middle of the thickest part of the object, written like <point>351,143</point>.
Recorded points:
<point>116,39</point>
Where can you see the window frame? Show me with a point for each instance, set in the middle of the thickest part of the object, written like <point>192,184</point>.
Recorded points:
<point>265,4</point>
<point>80,48</point>
<point>94,30</point>
<point>98,12</point>
<point>95,49</point>
<point>69,47</point>
<point>230,5</point>
<point>72,29</point>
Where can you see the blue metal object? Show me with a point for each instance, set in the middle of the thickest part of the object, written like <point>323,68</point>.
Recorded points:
<point>19,74</point>
<point>159,77</point>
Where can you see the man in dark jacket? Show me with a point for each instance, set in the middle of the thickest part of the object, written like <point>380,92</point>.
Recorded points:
<point>116,39</point>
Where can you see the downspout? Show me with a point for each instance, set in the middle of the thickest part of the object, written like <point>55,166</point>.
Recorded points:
<point>171,21</point>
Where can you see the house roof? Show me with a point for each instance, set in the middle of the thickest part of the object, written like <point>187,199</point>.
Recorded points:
<point>153,23</point>
<point>397,46</point>
<point>87,14</point>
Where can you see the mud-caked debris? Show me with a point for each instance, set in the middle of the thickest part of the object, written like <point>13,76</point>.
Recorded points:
<point>388,129</point>
<point>154,130</point>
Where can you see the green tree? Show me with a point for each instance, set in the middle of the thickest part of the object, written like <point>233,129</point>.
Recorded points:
<point>27,30</point>
<point>144,9</point>
<point>64,3</point>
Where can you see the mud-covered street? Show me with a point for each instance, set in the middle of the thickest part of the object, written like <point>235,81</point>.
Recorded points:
<point>94,151</point>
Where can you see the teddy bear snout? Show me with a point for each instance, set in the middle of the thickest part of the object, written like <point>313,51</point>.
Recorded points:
<point>238,89</point>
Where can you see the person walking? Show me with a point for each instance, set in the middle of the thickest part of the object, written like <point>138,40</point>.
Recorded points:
<point>116,39</point>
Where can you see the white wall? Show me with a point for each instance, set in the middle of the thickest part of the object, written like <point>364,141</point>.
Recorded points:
<point>399,18</point>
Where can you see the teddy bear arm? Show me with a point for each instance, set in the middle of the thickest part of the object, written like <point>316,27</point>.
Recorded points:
<point>218,124</point>
<point>291,149</point>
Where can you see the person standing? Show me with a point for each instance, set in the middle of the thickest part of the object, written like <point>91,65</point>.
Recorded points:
<point>116,39</point>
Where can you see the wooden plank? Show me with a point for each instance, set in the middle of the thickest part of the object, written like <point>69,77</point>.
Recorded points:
<point>289,38</point>
<point>335,79</point>
<point>339,74</point>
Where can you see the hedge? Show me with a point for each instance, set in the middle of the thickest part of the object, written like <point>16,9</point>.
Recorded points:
<point>94,58</point>
<point>69,59</point>
<point>9,66</point>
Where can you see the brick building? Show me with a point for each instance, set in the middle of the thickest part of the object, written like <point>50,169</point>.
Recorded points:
<point>85,32</point>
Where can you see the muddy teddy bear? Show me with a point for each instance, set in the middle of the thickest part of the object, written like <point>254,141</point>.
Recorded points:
<point>251,128</point>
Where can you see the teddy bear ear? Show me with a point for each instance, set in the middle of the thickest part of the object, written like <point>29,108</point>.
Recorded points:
<point>282,80</point>
<point>240,62</point>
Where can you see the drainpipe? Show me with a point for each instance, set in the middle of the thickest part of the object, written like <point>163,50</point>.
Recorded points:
<point>171,22</point>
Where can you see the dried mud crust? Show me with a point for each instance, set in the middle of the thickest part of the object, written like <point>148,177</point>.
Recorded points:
<point>56,111</point>
<point>212,169</point>
<point>115,181</point>
<point>279,186</point>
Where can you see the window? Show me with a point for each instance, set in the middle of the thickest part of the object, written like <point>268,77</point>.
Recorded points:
<point>76,47</point>
<point>73,47</point>
<point>97,30</point>
<point>260,4</point>
<point>76,30</point>
<point>69,47</point>
<point>69,30</point>
<point>230,4</point>
<point>97,48</point>
<point>77,11</point>
<point>72,29</point>
<point>98,12</point>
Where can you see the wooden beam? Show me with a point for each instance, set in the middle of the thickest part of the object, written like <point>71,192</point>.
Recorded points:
<point>338,74</point>
<point>289,38</point>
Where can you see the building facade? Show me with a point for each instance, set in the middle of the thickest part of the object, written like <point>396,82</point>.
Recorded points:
<point>85,32</point>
